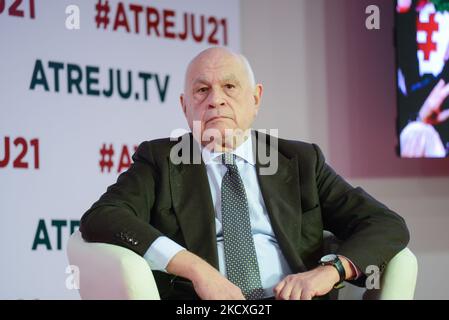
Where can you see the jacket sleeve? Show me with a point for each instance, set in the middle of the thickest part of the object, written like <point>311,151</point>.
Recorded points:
<point>122,214</point>
<point>371,233</point>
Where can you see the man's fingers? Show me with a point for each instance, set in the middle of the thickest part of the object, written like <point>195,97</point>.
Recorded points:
<point>437,95</point>
<point>443,93</point>
<point>296,293</point>
<point>440,92</point>
<point>284,294</point>
<point>306,295</point>
<point>237,295</point>
<point>437,88</point>
<point>443,116</point>
<point>278,288</point>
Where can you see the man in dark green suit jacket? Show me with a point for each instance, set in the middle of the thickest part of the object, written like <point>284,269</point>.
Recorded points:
<point>159,197</point>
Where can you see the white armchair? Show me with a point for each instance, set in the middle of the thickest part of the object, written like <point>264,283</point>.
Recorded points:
<point>113,272</point>
<point>397,282</point>
<point>110,272</point>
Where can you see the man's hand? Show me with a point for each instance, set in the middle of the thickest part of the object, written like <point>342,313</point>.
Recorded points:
<point>211,285</point>
<point>306,285</point>
<point>207,281</point>
<point>313,283</point>
<point>430,111</point>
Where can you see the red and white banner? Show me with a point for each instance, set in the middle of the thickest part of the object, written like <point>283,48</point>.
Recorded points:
<point>82,84</point>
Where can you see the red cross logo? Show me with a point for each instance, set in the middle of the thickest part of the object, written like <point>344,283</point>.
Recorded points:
<point>429,28</point>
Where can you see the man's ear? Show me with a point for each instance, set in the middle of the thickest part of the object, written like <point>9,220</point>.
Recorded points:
<point>181,99</point>
<point>258,90</point>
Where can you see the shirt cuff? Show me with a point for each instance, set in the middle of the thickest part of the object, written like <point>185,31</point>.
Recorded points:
<point>161,251</point>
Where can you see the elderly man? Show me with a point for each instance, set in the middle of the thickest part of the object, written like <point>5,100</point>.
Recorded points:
<point>221,229</point>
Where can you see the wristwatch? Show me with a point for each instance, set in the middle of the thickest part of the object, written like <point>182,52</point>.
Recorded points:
<point>334,260</point>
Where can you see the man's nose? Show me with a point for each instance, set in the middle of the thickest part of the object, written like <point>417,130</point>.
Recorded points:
<point>216,99</point>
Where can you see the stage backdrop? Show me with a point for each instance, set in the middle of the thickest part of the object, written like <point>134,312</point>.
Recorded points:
<point>82,83</point>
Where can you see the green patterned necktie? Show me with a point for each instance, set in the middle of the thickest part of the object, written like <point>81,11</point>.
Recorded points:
<point>240,254</point>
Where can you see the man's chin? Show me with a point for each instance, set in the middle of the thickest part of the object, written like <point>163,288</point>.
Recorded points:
<point>219,128</point>
<point>221,135</point>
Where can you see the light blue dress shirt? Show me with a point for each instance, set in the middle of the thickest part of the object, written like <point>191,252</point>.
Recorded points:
<point>273,266</point>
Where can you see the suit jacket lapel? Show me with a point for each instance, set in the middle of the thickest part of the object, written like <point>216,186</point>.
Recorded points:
<point>193,204</point>
<point>281,193</point>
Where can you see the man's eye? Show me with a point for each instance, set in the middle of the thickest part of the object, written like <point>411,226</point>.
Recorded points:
<point>202,90</point>
<point>229,86</point>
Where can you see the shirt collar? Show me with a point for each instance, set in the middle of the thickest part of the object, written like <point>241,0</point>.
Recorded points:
<point>243,152</point>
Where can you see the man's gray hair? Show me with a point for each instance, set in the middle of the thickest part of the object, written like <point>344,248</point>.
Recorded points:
<point>241,57</point>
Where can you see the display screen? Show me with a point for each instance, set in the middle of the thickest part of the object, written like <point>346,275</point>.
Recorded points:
<point>422,55</point>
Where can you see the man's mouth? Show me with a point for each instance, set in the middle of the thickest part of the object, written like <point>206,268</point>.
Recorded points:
<point>217,118</point>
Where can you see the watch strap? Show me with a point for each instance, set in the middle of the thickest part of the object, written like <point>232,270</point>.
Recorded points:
<point>341,271</point>
<point>337,264</point>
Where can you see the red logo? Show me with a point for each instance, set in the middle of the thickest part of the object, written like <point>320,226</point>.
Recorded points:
<point>429,28</point>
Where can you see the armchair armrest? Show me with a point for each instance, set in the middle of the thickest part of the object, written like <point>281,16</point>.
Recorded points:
<point>397,282</point>
<point>110,272</point>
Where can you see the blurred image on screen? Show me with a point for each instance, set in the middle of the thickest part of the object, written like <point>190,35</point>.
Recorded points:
<point>422,54</point>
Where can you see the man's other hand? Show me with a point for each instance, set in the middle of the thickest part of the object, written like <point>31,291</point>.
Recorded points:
<point>306,285</point>
<point>430,111</point>
<point>208,282</point>
<point>211,285</point>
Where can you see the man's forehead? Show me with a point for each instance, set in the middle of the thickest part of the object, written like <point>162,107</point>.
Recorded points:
<point>217,64</point>
<point>216,58</point>
<point>213,63</point>
<point>225,77</point>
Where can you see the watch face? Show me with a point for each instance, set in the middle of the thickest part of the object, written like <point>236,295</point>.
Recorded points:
<point>329,258</point>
